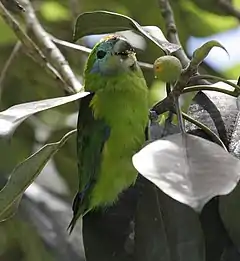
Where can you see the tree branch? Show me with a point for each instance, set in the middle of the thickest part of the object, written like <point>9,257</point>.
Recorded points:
<point>172,34</point>
<point>50,50</point>
<point>30,48</point>
<point>190,69</point>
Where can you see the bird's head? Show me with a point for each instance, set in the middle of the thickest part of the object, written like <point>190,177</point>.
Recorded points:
<point>112,55</point>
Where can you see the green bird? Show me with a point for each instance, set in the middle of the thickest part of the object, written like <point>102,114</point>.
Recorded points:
<point>111,124</point>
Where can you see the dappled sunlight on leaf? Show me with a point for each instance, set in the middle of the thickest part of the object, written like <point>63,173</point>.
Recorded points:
<point>108,22</point>
<point>188,168</point>
<point>11,118</point>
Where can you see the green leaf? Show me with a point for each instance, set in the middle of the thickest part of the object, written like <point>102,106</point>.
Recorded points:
<point>186,97</point>
<point>24,174</point>
<point>11,211</point>
<point>11,118</point>
<point>205,22</point>
<point>202,52</point>
<point>165,229</point>
<point>229,208</point>
<point>99,22</point>
<point>215,234</point>
<point>108,234</point>
<point>223,83</point>
<point>188,169</point>
<point>213,6</point>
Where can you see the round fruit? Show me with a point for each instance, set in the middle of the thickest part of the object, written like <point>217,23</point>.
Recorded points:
<point>167,68</point>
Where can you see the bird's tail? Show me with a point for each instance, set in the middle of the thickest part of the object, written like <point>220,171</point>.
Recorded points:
<point>72,224</point>
<point>78,209</point>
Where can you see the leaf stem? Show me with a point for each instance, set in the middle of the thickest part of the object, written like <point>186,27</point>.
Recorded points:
<point>197,88</point>
<point>204,128</point>
<point>181,123</point>
<point>172,34</point>
<point>179,115</point>
<point>212,77</point>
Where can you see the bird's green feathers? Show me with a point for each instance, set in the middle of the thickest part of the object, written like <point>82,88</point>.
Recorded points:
<point>111,124</point>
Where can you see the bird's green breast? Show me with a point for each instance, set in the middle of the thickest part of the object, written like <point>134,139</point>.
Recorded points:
<point>123,104</point>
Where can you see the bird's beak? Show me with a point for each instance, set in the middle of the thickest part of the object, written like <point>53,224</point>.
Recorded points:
<point>124,49</point>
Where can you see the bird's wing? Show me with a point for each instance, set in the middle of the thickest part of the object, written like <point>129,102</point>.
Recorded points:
<point>91,137</point>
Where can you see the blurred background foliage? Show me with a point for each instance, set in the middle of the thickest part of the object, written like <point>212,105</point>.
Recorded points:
<point>27,81</point>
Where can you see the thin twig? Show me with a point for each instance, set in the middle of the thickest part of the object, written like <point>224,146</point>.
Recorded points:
<point>209,88</point>
<point>202,126</point>
<point>213,77</point>
<point>181,123</point>
<point>168,103</point>
<point>189,69</point>
<point>30,48</point>
<point>7,65</point>
<point>147,66</point>
<point>50,50</point>
<point>71,45</point>
<point>87,50</point>
<point>172,34</point>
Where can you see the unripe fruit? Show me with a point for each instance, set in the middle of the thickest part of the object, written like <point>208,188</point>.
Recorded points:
<point>167,68</point>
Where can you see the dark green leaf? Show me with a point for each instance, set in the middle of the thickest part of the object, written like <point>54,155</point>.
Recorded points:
<point>108,233</point>
<point>165,229</point>
<point>188,168</point>
<point>10,212</point>
<point>99,22</point>
<point>215,6</point>
<point>216,237</point>
<point>229,207</point>
<point>202,52</point>
<point>11,118</point>
<point>24,174</point>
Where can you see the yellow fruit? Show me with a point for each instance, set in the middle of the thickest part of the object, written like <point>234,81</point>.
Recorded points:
<point>167,68</point>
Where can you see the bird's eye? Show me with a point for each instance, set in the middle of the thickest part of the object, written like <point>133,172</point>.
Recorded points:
<point>101,54</point>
